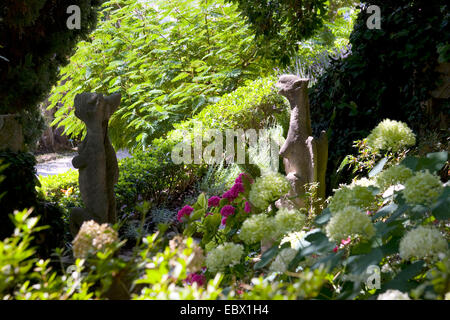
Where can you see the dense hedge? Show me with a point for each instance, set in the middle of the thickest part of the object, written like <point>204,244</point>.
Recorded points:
<point>388,74</point>
<point>18,192</point>
<point>17,187</point>
<point>34,42</point>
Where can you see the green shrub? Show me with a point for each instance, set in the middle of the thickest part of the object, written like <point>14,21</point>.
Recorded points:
<point>251,106</point>
<point>151,175</point>
<point>34,42</point>
<point>18,186</point>
<point>166,69</point>
<point>388,74</point>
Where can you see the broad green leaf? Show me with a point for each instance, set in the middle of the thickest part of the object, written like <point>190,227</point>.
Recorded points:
<point>378,167</point>
<point>267,257</point>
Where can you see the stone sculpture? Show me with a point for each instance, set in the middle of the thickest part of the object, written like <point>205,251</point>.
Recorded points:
<point>96,160</point>
<point>304,157</point>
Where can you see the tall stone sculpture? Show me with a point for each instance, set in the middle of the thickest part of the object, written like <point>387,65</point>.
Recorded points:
<point>96,160</point>
<point>304,157</point>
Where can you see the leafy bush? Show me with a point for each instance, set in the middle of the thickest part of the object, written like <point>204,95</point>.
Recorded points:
<point>395,220</point>
<point>18,186</point>
<point>28,68</point>
<point>152,175</point>
<point>169,60</point>
<point>156,271</point>
<point>314,54</point>
<point>388,74</point>
<point>251,106</point>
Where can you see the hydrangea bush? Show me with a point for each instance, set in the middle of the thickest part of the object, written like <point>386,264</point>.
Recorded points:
<point>395,219</point>
<point>242,245</point>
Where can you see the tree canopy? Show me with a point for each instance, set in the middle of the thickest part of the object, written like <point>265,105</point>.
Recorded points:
<point>34,42</point>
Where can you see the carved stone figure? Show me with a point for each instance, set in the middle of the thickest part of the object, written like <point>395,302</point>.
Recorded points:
<point>304,157</point>
<point>96,160</point>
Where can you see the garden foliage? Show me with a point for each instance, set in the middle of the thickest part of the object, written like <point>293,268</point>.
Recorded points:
<point>34,42</point>
<point>168,59</point>
<point>281,25</point>
<point>151,174</point>
<point>245,247</point>
<point>388,73</point>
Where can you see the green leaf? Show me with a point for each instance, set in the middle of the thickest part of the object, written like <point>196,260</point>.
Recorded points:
<point>212,222</point>
<point>359,264</point>
<point>330,261</point>
<point>343,163</point>
<point>190,230</point>
<point>433,162</point>
<point>267,257</point>
<point>323,218</point>
<point>201,203</point>
<point>362,247</point>
<point>441,208</point>
<point>378,167</point>
<point>386,210</point>
<point>402,280</point>
<point>181,76</point>
<point>197,214</point>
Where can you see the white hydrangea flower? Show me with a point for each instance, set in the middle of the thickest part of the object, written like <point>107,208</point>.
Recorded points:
<point>422,242</point>
<point>392,176</point>
<point>296,239</point>
<point>256,228</point>
<point>224,255</point>
<point>289,220</point>
<point>281,262</point>
<point>363,182</point>
<point>422,188</point>
<point>391,135</point>
<point>268,188</point>
<point>358,196</point>
<point>93,237</point>
<point>349,222</point>
<point>393,295</point>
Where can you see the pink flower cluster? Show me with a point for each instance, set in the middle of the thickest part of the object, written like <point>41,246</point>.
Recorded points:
<point>185,211</point>
<point>200,279</point>
<point>233,193</point>
<point>213,201</point>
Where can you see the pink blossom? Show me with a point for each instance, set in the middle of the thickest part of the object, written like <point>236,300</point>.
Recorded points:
<point>227,211</point>
<point>233,193</point>
<point>209,214</point>
<point>213,201</point>
<point>247,207</point>
<point>224,220</point>
<point>347,241</point>
<point>336,249</point>
<point>200,279</point>
<point>185,211</point>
